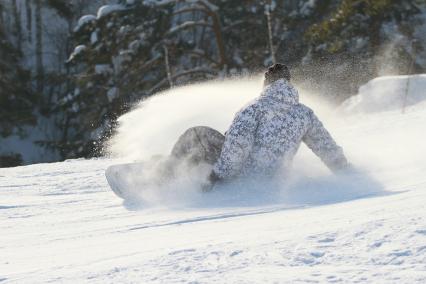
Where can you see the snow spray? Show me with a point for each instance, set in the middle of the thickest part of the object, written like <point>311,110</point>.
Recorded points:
<point>154,125</point>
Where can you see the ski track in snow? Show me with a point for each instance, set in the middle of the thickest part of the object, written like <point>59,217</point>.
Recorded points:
<point>60,222</point>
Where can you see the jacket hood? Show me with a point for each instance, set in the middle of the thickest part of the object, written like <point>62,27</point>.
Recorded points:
<point>281,91</point>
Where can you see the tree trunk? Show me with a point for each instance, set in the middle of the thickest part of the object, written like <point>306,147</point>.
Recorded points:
<point>18,29</point>
<point>29,19</point>
<point>270,36</point>
<point>168,69</point>
<point>219,39</point>
<point>1,15</point>
<point>39,47</point>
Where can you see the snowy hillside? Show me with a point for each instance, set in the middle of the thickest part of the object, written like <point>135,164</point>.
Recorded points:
<point>60,222</point>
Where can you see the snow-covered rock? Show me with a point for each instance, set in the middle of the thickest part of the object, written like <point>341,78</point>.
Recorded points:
<point>387,93</point>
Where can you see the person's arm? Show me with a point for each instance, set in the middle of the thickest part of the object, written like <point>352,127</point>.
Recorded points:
<point>323,145</point>
<point>238,143</point>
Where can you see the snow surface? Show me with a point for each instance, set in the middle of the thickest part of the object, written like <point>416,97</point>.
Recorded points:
<point>60,222</point>
<point>388,93</point>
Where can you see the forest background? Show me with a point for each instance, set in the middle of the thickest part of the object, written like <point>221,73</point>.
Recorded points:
<point>69,69</point>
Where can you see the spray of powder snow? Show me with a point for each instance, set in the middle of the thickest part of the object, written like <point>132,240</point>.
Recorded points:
<point>155,124</point>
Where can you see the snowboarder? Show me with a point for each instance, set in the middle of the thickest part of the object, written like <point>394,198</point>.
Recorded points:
<point>261,141</point>
<point>266,134</point>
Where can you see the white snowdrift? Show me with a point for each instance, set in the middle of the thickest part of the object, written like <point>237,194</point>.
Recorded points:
<point>388,93</point>
<point>61,223</point>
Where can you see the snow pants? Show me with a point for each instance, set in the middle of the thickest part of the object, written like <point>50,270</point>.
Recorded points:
<point>199,144</point>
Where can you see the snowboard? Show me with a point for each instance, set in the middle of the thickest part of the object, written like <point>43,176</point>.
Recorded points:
<point>120,177</point>
<point>199,145</point>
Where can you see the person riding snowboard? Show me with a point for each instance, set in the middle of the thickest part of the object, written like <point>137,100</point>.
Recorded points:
<point>261,141</point>
<point>266,134</point>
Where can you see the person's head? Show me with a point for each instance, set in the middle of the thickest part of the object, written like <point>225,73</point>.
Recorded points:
<point>275,72</point>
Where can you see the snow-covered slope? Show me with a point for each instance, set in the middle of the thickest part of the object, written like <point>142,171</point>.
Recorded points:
<point>60,222</point>
<point>388,93</point>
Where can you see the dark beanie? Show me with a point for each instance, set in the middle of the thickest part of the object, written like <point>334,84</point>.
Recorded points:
<point>276,72</point>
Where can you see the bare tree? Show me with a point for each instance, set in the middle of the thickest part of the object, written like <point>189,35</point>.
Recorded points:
<point>268,12</point>
<point>210,11</point>
<point>414,48</point>
<point>167,63</point>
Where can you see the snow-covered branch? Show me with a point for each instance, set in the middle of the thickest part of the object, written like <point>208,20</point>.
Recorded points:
<point>201,70</point>
<point>188,24</point>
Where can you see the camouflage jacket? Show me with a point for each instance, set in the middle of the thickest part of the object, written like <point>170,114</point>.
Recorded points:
<point>266,134</point>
